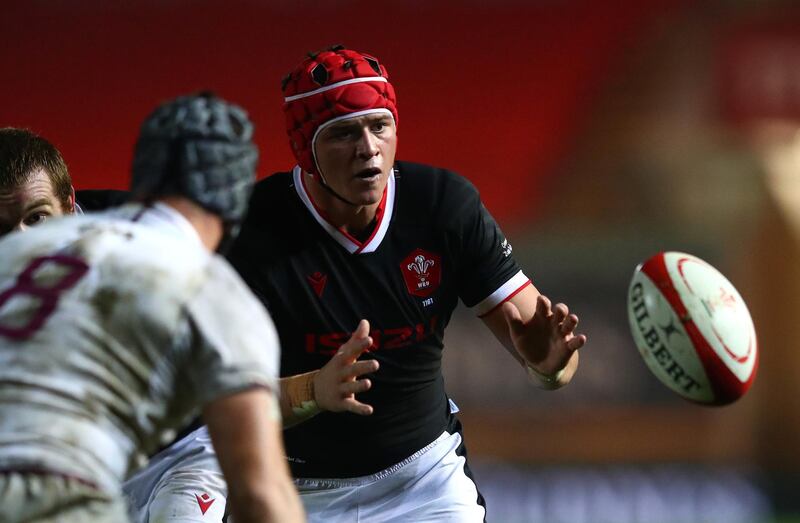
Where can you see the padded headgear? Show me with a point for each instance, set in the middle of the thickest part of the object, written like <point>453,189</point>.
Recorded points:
<point>199,147</point>
<point>327,86</point>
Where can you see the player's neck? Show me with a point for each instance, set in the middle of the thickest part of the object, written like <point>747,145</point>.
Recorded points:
<point>208,225</point>
<point>354,219</point>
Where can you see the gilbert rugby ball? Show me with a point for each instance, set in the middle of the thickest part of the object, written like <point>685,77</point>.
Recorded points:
<point>692,328</point>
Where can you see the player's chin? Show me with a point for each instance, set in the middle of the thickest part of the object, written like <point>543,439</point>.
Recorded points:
<point>366,199</point>
<point>367,193</point>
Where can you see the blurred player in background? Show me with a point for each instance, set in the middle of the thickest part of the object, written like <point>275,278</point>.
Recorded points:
<point>350,233</point>
<point>34,181</point>
<point>115,328</point>
<point>35,184</point>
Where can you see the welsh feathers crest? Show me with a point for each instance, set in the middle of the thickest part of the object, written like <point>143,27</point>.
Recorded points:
<point>420,265</point>
<point>422,272</point>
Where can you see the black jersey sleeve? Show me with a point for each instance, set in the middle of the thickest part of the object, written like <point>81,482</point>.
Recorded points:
<point>487,272</point>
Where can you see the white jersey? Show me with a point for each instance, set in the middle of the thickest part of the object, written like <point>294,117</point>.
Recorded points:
<point>114,329</point>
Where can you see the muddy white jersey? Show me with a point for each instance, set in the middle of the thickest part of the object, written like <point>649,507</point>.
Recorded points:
<point>114,329</point>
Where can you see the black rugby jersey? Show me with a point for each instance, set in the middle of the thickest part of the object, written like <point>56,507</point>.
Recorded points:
<point>433,244</point>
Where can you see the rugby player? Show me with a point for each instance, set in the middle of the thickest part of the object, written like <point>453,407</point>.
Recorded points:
<point>34,181</point>
<point>115,328</point>
<point>351,233</point>
<point>35,184</point>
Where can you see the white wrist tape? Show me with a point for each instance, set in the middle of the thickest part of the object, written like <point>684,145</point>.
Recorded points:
<point>538,378</point>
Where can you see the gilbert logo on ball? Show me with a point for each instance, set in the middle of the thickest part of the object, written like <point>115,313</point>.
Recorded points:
<point>692,328</point>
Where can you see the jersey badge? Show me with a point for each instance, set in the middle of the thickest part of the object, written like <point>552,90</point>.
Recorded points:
<point>422,272</point>
<point>317,282</point>
<point>205,501</point>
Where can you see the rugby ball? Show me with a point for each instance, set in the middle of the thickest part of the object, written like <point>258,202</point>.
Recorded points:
<point>692,328</point>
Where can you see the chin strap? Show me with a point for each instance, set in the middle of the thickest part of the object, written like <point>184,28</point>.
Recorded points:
<point>321,180</point>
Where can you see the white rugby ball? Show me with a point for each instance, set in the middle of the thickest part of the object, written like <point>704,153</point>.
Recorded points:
<point>692,328</point>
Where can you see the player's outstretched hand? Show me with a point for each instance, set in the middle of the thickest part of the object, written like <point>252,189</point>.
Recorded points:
<point>337,383</point>
<point>547,341</point>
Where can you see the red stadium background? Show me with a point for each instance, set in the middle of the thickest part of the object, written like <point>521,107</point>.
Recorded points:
<point>490,92</point>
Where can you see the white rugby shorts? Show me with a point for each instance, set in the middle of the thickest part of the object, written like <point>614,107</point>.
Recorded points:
<point>181,484</point>
<point>429,486</point>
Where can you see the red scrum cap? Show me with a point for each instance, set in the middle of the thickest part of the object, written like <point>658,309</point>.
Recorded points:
<point>329,86</point>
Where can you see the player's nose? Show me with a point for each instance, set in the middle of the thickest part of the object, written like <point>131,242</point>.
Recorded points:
<point>367,144</point>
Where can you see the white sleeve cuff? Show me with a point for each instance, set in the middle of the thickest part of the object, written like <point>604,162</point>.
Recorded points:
<point>503,293</point>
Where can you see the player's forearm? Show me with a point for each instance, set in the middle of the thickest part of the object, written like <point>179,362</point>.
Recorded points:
<point>246,433</point>
<point>298,400</point>
<point>273,502</point>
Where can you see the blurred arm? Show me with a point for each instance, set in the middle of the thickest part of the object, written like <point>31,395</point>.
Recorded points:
<point>247,435</point>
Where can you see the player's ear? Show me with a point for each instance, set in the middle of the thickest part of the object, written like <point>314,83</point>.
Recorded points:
<point>71,202</point>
